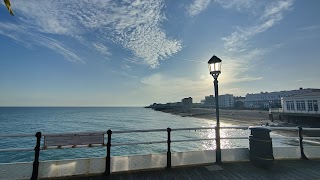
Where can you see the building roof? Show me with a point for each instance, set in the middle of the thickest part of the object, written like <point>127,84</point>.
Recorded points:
<point>311,94</point>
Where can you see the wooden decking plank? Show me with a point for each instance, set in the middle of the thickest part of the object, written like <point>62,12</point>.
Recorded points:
<point>294,169</point>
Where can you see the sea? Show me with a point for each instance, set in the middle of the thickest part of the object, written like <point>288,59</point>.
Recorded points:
<point>26,120</point>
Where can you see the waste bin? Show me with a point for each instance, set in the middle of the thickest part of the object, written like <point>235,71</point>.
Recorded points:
<point>261,153</point>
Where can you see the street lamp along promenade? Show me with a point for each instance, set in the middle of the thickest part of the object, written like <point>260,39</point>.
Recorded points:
<point>215,69</point>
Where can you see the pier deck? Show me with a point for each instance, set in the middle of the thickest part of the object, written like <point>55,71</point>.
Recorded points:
<point>282,169</point>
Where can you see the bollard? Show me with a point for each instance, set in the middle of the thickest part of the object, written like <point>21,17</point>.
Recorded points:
<point>35,169</point>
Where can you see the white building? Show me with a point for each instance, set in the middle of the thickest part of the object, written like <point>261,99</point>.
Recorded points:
<point>209,100</point>
<point>267,99</point>
<point>302,103</point>
<point>226,101</point>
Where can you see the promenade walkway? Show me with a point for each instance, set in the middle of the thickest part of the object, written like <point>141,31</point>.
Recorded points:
<point>282,169</point>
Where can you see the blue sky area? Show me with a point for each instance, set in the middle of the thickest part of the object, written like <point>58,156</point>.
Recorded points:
<point>134,53</point>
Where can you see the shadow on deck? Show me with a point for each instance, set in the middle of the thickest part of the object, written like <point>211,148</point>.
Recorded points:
<point>282,169</point>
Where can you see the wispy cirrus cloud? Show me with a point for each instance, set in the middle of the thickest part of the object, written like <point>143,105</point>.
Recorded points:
<point>197,7</point>
<point>238,4</point>
<point>241,56</point>
<point>238,55</point>
<point>28,38</point>
<point>134,25</point>
<point>273,14</point>
<point>102,49</point>
<point>310,28</point>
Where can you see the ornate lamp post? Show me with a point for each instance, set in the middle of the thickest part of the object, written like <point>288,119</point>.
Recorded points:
<point>215,69</point>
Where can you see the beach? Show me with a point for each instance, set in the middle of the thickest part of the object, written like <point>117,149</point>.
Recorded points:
<point>230,116</point>
<point>233,117</point>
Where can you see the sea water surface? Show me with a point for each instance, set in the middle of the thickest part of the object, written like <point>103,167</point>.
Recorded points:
<point>18,120</point>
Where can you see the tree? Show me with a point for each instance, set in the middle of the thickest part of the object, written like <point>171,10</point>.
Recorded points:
<point>8,5</point>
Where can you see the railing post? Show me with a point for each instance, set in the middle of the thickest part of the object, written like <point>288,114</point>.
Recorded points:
<point>303,156</point>
<point>169,151</point>
<point>108,159</point>
<point>35,169</point>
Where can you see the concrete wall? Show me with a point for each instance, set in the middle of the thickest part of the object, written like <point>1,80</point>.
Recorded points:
<point>127,163</point>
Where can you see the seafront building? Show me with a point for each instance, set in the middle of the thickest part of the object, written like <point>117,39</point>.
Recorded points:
<point>225,101</point>
<point>209,100</point>
<point>187,102</point>
<point>262,100</point>
<point>272,99</point>
<point>302,103</point>
<point>300,109</point>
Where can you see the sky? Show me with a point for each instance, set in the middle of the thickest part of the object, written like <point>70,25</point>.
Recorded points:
<point>135,53</point>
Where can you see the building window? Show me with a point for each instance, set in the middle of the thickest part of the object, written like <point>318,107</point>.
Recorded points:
<point>292,105</point>
<point>303,106</point>
<point>298,105</point>
<point>315,105</point>
<point>288,105</point>
<point>310,105</point>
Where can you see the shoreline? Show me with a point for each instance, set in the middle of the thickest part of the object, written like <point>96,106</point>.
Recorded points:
<point>230,116</point>
<point>233,117</point>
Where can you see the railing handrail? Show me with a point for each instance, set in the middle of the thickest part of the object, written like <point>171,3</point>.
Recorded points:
<point>15,135</point>
<point>311,129</point>
<point>190,129</point>
<point>138,130</point>
<point>149,142</point>
<point>120,131</point>
<point>282,128</point>
<point>78,133</point>
<point>137,143</point>
<point>152,130</point>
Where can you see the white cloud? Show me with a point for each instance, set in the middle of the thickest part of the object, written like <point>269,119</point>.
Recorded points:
<point>101,49</point>
<point>275,9</point>
<point>240,56</point>
<point>309,28</point>
<point>134,25</point>
<point>273,14</point>
<point>238,4</point>
<point>197,7</point>
<point>23,35</point>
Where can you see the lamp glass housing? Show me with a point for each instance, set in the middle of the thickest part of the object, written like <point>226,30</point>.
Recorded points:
<point>215,68</point>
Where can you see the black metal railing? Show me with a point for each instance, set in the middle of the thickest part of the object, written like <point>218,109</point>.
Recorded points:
<point>168,141</point>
